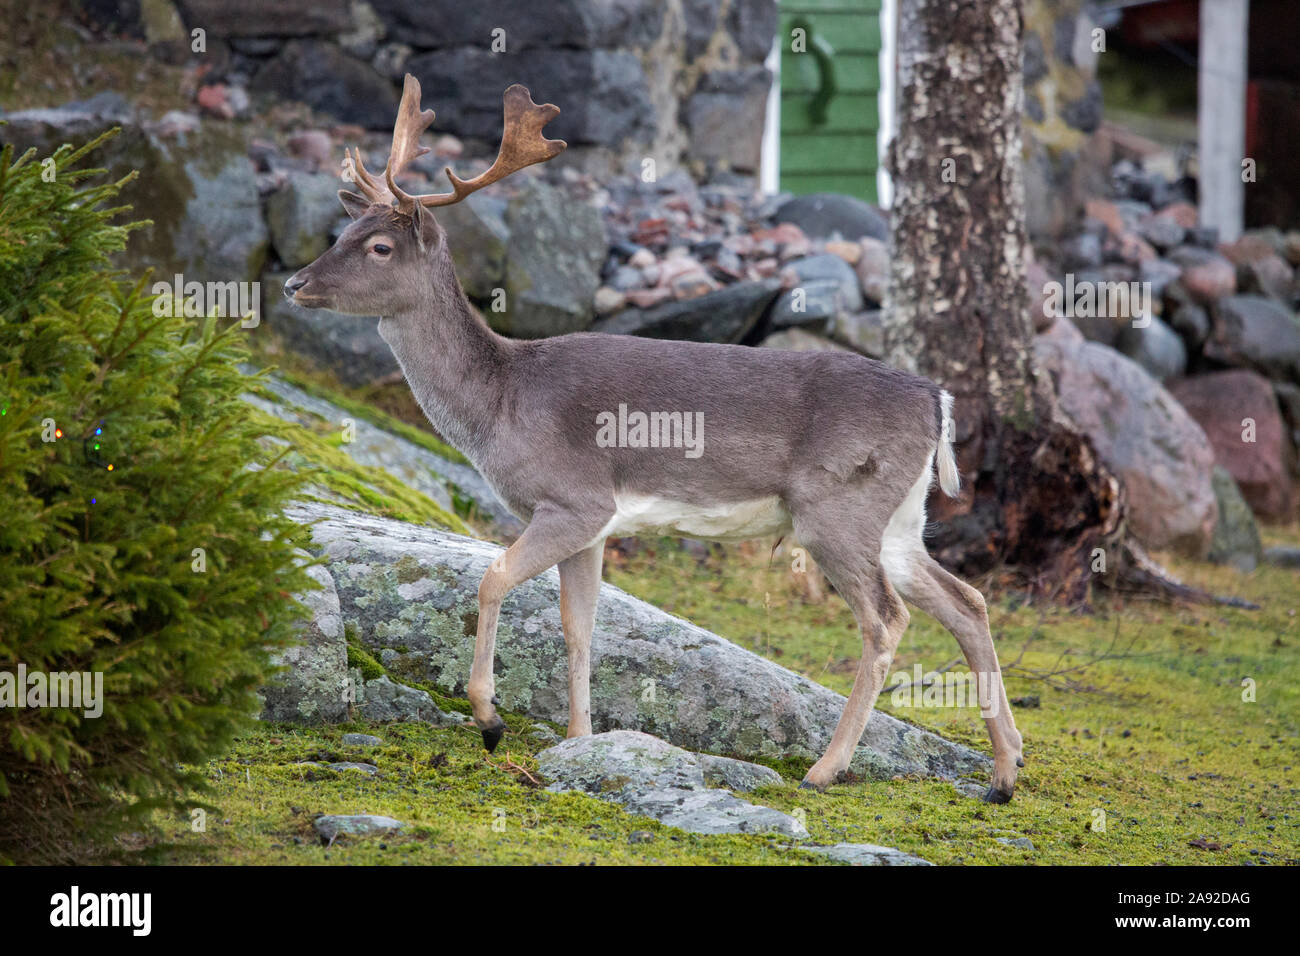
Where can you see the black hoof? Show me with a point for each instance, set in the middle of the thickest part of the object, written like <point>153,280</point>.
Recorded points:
<point>492,735</point>
<point>805,785</point>
<point>495,702</point>
<point>1020,761</point>
<point>994,795</point>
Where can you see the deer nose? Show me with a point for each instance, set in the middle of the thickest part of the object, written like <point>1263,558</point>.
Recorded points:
<point>293,284</point>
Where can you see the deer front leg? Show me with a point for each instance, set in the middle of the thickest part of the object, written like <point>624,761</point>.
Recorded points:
<point>579,589</point>
<point>551,537</point>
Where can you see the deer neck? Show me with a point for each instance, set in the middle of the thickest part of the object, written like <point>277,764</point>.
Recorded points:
<point>455,365</point>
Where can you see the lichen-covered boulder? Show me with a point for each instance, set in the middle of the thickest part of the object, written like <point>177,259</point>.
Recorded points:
<point>313,688</point>
<point>652,778</point>
<point>376,447</point>
<point>411,594</point>
<point>385,701</point>
<point>867,854</point>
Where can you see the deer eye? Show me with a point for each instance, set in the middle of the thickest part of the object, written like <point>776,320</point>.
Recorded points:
<point>381,249</point>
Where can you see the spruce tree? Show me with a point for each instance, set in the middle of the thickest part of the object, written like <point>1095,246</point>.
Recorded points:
<point>140,528</point>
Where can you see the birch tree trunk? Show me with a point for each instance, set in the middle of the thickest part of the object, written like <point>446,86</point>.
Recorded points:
<point>1035,498</point>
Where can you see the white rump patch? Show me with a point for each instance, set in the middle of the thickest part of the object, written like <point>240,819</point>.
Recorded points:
<point>902,540</point>
<point>731,521</point>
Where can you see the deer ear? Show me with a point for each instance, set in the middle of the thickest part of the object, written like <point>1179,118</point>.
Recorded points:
<point>424,225</point>
<point>353,204</point>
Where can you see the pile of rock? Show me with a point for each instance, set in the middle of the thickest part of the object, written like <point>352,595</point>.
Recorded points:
<point>1215,324</point>
<point>716,264</point>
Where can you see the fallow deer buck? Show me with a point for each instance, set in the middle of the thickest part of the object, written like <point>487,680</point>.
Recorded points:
<point>836,448</point>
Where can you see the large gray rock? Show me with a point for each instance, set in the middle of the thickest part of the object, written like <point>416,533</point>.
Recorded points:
<point>317,686</point>
<point>1257,333</point>
<point>313,688</point>
<point>1156,347</point>
<point>725,117</point>
<point>813,303</point>
<point>827,267</point>
<point>1142,433</point>
<point>751,25</point>
<point>567,24</point>
<point>347,345</point>
<point>477,237</point>
<point>300,215</point>
<point>799,340</point>
<point>652,778</point>
<point>733,774</point>
<point>726,315</point>
<point>823,215</point>
<point>411,594</point>
<point>198,188</point>
<point>253,18</point>
<point>321,75</point>
<point>1236,536</point>
<point>864,331</point>
<point>867,854</point>
<point>553,259</point>
<point>384,701</point>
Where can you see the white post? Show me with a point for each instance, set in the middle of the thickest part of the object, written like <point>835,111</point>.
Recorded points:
<point>1221,114</point>
<point>886,100</point>
<point>769,175</point>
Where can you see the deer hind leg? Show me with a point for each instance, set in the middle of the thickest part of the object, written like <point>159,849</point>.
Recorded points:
<point>843,542</point>
<point>549,539</point>
<point>960,608</point>
<point>579,589</point>
<point>882,619</point>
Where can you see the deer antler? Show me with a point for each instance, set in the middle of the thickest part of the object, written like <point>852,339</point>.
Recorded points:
<point>522,144</point>
<point>411,122</point>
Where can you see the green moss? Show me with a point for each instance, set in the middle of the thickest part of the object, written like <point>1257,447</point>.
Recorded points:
<point>358,486</point>
<point>1140,725</point>
<point>375,416</point>
<point>460,806</point>
<point>360,658</point>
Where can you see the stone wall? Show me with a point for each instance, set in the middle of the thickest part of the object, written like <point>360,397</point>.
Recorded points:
<point>681,82</point>
<point>675,81</point>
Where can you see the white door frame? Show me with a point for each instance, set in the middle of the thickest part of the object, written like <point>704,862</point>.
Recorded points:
<point>769,177</point>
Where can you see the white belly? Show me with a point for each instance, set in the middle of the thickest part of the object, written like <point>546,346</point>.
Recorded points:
<point>733,521</point>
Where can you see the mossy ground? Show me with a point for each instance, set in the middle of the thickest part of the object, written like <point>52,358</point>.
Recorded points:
<point>1140,725</point>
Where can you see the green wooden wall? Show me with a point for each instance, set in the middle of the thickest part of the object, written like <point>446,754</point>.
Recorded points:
<point>828,142</point>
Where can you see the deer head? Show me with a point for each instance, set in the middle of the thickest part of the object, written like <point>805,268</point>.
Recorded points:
<point>393,255</point>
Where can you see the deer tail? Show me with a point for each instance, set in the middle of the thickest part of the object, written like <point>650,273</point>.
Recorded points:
<point>949,478</point>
